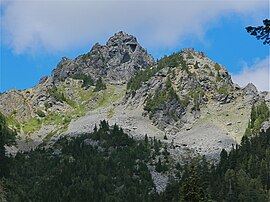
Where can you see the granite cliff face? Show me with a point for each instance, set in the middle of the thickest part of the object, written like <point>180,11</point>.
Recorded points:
<point>115,62</point>
<point>186,96</point>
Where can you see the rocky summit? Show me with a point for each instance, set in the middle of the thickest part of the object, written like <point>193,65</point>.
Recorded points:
<point>185,99</point>
<point>115,62</point>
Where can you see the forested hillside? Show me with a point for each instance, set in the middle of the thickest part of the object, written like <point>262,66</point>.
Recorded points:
<point>109,165</point>
<point>106,165</point>
<point>241,175</point>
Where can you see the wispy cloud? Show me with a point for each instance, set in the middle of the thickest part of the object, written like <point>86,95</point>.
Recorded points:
<point>58,25</point>
<point>258,74</point>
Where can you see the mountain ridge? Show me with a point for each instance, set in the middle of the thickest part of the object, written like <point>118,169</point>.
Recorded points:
<point>184,96</point>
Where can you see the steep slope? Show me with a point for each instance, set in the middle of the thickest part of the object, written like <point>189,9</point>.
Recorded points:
<point>70,92</point>
<point>116,62</point>
<point>187,81</point>
<point>194,100</point>
<point>185,96</point>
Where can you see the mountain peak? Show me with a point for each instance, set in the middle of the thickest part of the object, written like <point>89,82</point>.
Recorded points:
<point>121,38</point>
<point>117,61</point>
<point>122,34</point>
<point>192,51</point>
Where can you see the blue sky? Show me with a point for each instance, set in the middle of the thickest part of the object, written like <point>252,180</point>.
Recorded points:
<point>36,34</point>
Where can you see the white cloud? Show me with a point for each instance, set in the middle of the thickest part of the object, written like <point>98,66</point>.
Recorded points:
<point>56,25</point>
<point>258,74</point>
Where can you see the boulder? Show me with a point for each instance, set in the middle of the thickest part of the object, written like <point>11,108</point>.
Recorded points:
<point>265,126</point>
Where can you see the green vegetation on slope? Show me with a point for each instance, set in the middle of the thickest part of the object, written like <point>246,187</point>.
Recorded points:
<point>196,94</point>
<point>110,95</point>
<point>223,90</point>
<point>58,95</point>
<point>100,85</point>
<point>33,125</point>
<point>12,122</point>
<point>79,108</point>
<point>217,67</point>
<point>110,113</point>
<point>160,98</point>
<point>87,80</point>
<point>142,76</point>
<point>174,60</point>
<point>258,115</point>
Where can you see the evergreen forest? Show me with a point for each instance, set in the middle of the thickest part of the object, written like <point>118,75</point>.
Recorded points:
<point>109,165</point>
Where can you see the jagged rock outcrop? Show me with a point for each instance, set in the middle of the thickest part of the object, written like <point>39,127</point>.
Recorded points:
<point>13,103</point>
<point>24,104</point>
<point>115,62</point>
<point>265,95</point>
<point>224,98</point>
<point>195,79</point>
<point>251,92</point>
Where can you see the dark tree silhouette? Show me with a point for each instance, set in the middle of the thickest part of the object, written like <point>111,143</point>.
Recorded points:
<point>261,32</point>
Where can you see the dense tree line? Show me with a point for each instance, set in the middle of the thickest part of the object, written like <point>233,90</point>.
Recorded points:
<point>259,114</point>
<point>243,175</point>
<point>106,165</point>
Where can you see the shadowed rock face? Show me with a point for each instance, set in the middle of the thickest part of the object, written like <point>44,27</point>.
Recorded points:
<point>115,62</point>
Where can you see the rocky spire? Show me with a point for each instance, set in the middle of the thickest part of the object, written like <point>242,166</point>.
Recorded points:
<point>117,61</point>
